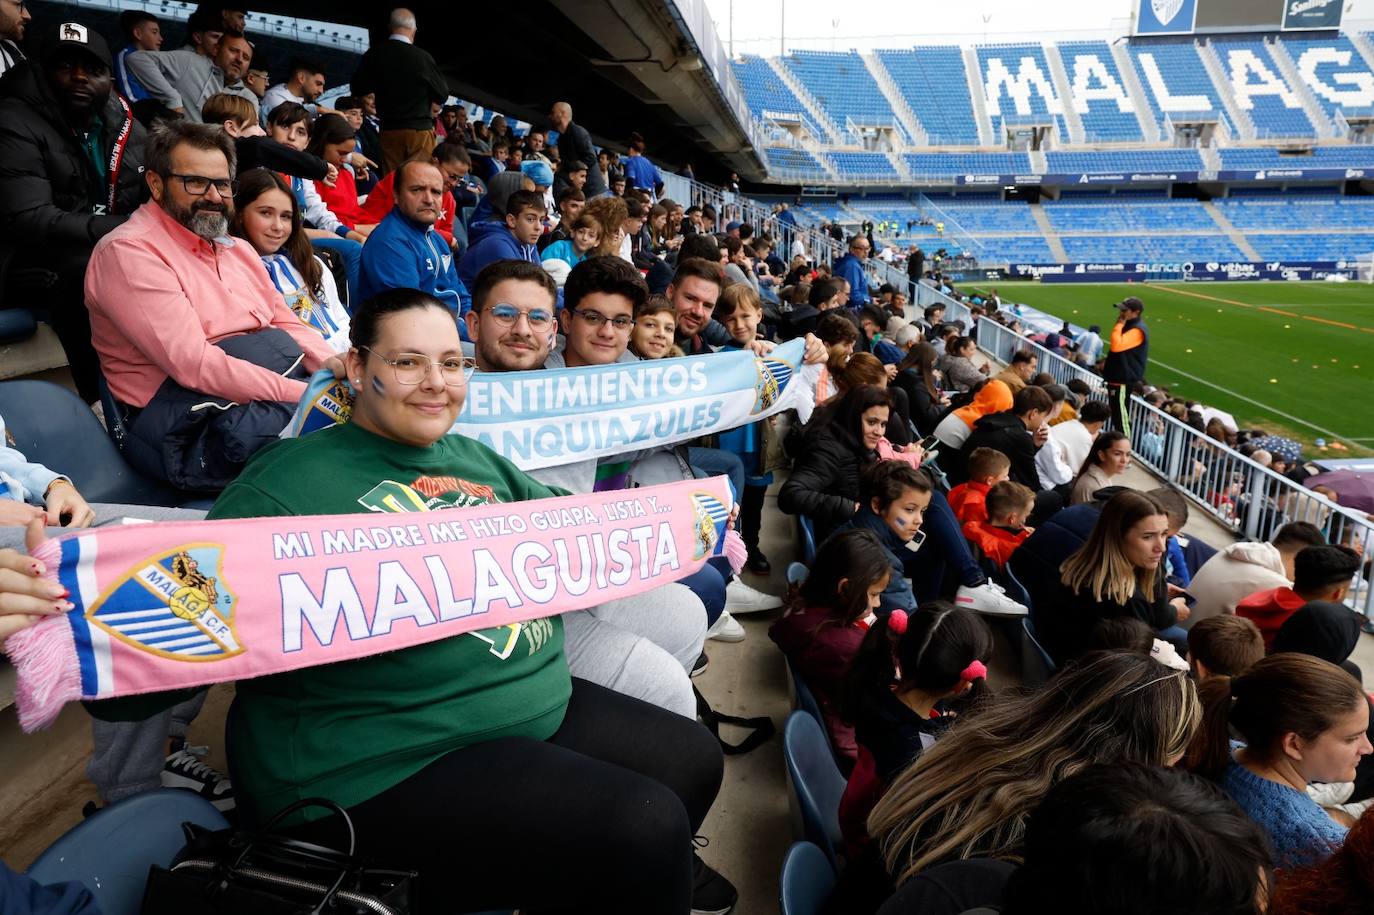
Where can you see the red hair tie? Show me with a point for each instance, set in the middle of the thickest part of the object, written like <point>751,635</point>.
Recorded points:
<point>975,671</point>
<point>896,621</point>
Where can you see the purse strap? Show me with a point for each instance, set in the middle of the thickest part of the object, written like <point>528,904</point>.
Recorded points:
<point>761,728</point>
<point>264,837</point>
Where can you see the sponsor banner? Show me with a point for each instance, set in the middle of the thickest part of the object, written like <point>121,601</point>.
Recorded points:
<point>1312,14</point>
<point>1296,174</point>
<point>1165,17</point>
<point>1193,271</point>
<point>977,275</point>
<point>1076,178</point>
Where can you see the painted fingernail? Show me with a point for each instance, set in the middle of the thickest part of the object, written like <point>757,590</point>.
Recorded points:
<point>36,568</point>
<point>64,606</point>
<point>56,590</point>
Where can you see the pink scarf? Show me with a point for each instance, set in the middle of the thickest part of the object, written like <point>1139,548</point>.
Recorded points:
<point>168,606</point>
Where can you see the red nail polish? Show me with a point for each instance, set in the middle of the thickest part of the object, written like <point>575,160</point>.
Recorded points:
<point>65,593</point>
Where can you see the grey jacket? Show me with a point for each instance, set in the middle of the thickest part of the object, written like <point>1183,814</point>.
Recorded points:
<point>182,79</point>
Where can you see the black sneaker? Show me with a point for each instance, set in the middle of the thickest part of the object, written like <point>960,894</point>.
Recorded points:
<point>1367,626</point>
<point>758,564</point>
<point>184,769</point>
<point>700,666</point>
<point>712,894</point>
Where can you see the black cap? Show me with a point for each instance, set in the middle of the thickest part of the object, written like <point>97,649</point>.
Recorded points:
<point>75,35</point>
<point>1131,303</point>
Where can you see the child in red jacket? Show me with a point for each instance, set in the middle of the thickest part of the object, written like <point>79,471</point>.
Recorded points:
<point>1008,506</point>
<point>986,468</point>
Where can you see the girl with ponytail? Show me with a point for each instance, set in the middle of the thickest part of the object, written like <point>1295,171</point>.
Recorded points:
<point>909,669</point>
<point>1303,720</point>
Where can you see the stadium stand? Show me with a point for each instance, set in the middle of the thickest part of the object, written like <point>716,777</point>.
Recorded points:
<point>933,80</point>
<point>1099,94</point>
<point>844,87</point>
<point>1134,160</point>
<point>1335,71</point>
<point>1016,79</point>
<point>769,96</point>
<point>1174,79</point>
<point>1261,91</point>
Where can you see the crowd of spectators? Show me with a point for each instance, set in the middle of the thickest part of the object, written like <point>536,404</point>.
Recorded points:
<point>198,237</point>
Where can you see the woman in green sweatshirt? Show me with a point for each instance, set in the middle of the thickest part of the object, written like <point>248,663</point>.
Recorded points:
<point>478,760</point>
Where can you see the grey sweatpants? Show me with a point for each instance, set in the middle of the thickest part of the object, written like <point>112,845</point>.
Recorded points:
<point>128,755</point>
<point>641,646</point>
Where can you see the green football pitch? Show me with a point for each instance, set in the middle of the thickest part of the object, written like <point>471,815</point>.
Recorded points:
<point>1295,358</point>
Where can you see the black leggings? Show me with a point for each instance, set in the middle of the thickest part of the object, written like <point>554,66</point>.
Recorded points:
<point>598,818</point>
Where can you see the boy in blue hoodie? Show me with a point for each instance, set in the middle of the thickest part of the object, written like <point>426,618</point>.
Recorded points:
<point>512,240</point>
<point>893,497</point>
<point>405,251</point>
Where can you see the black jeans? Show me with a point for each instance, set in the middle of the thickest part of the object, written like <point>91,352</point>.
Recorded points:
<point>598,818</point>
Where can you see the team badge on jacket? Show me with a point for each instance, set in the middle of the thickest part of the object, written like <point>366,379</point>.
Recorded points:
<point>175,605</point>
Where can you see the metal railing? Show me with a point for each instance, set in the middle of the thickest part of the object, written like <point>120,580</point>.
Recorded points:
<point>1244,496</point>
<point>1001,343</point>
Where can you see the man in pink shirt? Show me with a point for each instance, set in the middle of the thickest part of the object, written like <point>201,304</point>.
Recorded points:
<point>169,287</point>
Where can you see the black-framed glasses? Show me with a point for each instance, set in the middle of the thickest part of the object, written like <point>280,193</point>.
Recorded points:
<point>413,368</point>
<point>596,319</point>
<point>199,185</point>
<point>507,315</point>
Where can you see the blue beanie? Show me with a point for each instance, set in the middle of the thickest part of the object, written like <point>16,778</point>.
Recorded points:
<point>538,172</point>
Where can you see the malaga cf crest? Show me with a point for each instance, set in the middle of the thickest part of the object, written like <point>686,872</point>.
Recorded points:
<point>175,605</point>
<point>710,520</point>
<point>1165,10</point>
<point>773,378</point>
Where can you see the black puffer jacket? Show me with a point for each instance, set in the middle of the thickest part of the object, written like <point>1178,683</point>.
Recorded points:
<point>824,483</point>
<point>54,206</point>
<point>1006,433</point>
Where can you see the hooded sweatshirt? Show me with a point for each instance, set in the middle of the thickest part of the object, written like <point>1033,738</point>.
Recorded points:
<point>954,429</point>
<point>489,242</point>
<point>898,592</point>
<point>1232,575</point>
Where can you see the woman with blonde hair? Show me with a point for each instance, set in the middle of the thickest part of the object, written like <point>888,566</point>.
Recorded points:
<point>1117,572</point>
<point>970,794</point>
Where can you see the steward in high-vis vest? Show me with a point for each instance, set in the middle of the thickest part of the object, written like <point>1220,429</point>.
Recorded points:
<point>1125,365</point>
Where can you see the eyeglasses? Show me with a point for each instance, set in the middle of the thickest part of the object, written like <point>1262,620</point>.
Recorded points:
<point>508,315</point>
<point>414,368</point>
<point>596,319</point>
<point>199,185</point>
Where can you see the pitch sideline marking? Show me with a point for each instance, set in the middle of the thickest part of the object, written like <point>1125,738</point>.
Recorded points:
<point>1263,406</point>
<point>1288,314</point>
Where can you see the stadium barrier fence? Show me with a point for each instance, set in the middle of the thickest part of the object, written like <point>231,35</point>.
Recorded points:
<point>1245,497</point>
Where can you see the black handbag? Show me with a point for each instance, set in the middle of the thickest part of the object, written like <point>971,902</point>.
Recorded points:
<point>237,871</point>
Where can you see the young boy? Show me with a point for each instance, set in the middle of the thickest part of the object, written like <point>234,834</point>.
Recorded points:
<point>986,468</point>
<point>586,235</point>
<point>1224,645</point>
<point>513,240</point>
<point>893,498</point>
<point>740,310</point>
<point>1008,506</point>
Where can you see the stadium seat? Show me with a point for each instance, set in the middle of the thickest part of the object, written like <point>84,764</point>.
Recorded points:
<point>1036,664</point>
<point>806,882</point>
<point>53,427</point>
<point>815,782</point>
<point>110,852</point>
<point>802,698</point>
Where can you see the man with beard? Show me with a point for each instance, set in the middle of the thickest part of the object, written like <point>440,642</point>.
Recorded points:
<point>304,86</point>
<point>71,164</point>
<point>169,285</point>
<point>405,251</point>
<point>183,79</point>
<point>14,17</point>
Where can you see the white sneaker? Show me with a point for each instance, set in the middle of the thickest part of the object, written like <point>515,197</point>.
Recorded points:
<point>726,629</point>
<point>741,599</point>
<point>988,598</point>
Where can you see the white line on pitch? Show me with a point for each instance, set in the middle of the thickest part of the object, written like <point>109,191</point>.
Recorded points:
<point>1251,400</point>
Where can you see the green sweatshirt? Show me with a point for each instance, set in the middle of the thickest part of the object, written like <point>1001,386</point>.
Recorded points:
<point>349,731</point>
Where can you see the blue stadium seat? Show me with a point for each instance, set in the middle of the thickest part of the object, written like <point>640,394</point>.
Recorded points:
<point>815,782</point>
<point>933,81</point>
<point>1248,64</point>
<point>1090,64</point>
<point>1036,664</point>
<point>806,881</point>
<point>1177,67</point>
<point>1326,59</point>
<point>1025,63</point>
<point>804,699</point>
<point>110,852</point>
<point>843,87</point>
<point>53,427</point>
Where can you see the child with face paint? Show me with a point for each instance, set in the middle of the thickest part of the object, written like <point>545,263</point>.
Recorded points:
<point>894,497</point>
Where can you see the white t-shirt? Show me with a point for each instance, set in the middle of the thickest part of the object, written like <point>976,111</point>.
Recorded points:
<point>1074,442</point>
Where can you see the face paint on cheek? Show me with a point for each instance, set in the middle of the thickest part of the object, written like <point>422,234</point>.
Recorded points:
<point>377,385</point>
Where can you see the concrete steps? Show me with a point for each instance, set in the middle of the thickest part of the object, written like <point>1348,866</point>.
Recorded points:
<point>1237,238</point>
<point>1042,219</point>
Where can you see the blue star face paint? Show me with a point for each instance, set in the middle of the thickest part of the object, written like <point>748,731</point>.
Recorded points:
<point>377,385</point>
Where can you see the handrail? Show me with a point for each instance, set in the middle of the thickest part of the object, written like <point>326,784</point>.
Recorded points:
<point>1001,342</point>
<point>1246,497</point>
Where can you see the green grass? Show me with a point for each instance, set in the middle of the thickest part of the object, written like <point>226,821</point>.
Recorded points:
<point>1296,358</point>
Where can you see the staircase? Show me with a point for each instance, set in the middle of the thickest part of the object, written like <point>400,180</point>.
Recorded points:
<point>1310,106</point>
<point>1364,46</point>
<point>915,133</point>
<point>979,97</point>
<point>1149,127</point>
<point>1042,220</point>
<point>1211,159</point>
<point>1064,89</point>
<point>899,165</point>
<point>809,102</point>
<point>1237,239</point>
<point>1239,117</point>
<point>1038,163</point>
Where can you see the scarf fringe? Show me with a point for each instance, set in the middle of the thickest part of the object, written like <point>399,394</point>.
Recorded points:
<point>44,655</point>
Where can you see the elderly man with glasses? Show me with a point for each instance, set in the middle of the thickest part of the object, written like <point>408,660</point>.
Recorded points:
<point>850,268</point>
<point>174,301</point>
